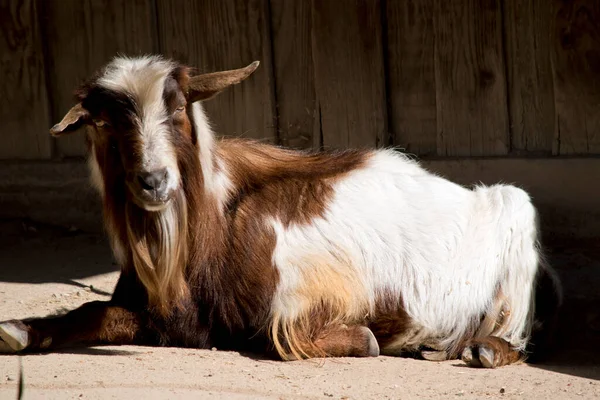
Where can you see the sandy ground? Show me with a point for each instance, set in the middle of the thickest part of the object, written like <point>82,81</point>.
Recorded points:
<point>45,270</point>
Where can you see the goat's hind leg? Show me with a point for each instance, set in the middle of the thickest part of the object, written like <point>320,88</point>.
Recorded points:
<point>336,340</point>
<point>96,322</point>
<point>348,341</point>
<point>507,327</point>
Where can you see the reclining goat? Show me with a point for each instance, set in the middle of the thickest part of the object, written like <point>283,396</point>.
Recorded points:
<point>247,246</point>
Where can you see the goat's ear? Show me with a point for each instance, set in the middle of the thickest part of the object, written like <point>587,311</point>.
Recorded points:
<point>205,86</point>
<point>76,117</point>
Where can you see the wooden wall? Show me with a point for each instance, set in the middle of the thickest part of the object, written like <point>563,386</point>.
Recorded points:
<point>436,77</point>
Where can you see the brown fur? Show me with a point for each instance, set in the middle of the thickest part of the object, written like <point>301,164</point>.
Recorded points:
<point>389,320</point>
<point>94,322</point>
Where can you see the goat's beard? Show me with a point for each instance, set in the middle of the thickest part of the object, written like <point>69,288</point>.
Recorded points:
<point>158,242</point>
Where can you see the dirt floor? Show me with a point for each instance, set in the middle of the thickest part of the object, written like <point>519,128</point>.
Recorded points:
<point>45,270</point>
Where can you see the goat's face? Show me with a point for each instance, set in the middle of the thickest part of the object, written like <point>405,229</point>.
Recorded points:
<point>137,113</point>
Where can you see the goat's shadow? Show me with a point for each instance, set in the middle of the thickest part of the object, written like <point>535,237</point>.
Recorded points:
<point>574,350</point>
<point>98,351</point>
<point>37,253</point>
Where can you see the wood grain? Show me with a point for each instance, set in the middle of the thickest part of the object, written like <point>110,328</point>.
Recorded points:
<point>350,73</point>
<point>468,78</point>
<point>214,35</point>
<point>24,111</point>
<point>83,35</point>
<point>411,75</point>
<point>576,63</point>
<point>472,114</point>
<point>528,41</point>
<point>297,106</point>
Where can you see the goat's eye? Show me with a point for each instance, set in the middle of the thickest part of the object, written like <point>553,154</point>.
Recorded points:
<point>100,123</point>
<point>179,109</point>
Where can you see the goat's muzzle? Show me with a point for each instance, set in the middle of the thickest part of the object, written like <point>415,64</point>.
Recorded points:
<point>151,190</point>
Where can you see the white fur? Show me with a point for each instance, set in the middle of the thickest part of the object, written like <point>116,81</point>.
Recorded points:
<point>214,170</point>
<point>442,248</point>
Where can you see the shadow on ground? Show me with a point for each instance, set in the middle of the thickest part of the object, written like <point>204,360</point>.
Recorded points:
<point>575,346</point>
<point>575,350</point>
<point>34,253</point>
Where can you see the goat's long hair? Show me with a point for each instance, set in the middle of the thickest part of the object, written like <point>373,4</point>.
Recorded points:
<point>158,243</point>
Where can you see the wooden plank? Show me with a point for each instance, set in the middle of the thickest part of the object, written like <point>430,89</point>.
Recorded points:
<point>216,35</point>
<point>349,70</point>
<point>24,115</point>
<point>411,75</point>
<point>472,115</point>
<point>82,36</point>
<point>527,26</point>
<point>297,106</point>
<point>576,62</point>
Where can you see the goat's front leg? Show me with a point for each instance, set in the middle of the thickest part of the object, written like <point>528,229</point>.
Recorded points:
<point>97,322</point>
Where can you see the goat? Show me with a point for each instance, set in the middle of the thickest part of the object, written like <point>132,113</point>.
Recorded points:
<point>248,246</point>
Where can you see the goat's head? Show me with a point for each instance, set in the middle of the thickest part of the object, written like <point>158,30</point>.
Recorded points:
<point>136,110</point>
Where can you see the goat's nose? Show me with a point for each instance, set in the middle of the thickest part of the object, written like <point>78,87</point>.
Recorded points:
<point>154,180</point>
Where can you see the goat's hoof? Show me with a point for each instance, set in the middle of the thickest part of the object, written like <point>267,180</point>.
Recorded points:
<point>14,336</point>
<point>486,357</point>
<point>372,345</point>
<point>434,355</point>
<point>478,356</point>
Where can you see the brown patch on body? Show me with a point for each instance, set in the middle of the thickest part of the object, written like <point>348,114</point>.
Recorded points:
<point>294,188</point>
<point>268,182</point>
<point>291,200</point>
<point>389,321</point>
<point>252,165</point>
